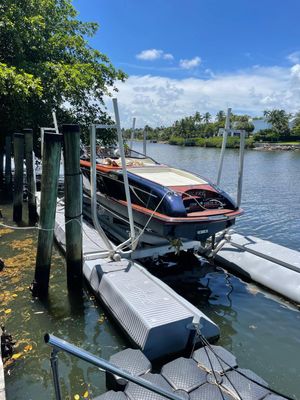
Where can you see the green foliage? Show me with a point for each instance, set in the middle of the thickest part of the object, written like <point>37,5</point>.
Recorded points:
<point>296,125</point>
<point>47,63</point>
<point>241,122</point>
<point>220,117</point>
<point>233,142</point>
<point>266,135</point>
<point>189,131</point>
<point>279,119</point>
<point>17,83</point>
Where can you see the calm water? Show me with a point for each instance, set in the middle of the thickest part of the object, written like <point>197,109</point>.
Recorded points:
<point>261,329</point>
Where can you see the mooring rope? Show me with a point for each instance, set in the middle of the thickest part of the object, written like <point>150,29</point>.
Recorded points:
<point>205,341</point>
<point>219,358</point>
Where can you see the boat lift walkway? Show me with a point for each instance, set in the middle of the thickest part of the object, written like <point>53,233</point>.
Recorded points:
<point>269,264</point>
<point>154,317</point>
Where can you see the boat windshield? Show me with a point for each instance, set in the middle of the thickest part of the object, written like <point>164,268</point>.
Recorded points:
<point>111,156</point>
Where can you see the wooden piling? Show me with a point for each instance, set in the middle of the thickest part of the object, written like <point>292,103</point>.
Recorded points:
<point>49,185</point>
<point>28,136</point>
<point>18,176</point>
<point>8,175</point>
<point>73,205</point>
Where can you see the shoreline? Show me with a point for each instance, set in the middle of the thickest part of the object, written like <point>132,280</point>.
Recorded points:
<point>276,147</point>
<point>254,146</point>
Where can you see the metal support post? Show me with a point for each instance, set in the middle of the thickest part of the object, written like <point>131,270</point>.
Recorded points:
<point>59,344</point>
<point>132,133</point>
<point>54,367</point>
<point>125,176</point>
<point>8,175</point>
<point>94,190</point>
<point>18,176</point>
<point>144,142</point>
<point>1,163</point>
<point>225,134</point>
<point>29,156</point>
<point>241,168</point>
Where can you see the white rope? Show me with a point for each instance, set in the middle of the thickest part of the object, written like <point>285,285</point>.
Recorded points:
<point>38,227</point>
<point>150,218</point>
<point>134,242</point>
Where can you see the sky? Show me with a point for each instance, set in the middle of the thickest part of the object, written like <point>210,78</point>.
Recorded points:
<point>183,56</point>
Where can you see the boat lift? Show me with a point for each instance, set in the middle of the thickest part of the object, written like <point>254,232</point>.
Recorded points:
<point>116,252</point>
<point>134,252</point>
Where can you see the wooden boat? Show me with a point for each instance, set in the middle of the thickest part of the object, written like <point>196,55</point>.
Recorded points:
<point>168,203</point>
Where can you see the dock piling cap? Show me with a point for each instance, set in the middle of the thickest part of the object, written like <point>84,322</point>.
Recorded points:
<point>70,128</point>
<point>52,137</point>
<point>28,131</point>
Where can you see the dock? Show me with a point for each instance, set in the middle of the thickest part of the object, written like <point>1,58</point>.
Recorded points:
<point>161,325</point>
<point>271,265</point>
<point>210,373</point>
<point>154,318</point>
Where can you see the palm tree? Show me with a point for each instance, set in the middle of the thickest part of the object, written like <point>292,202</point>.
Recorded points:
<point>220,116</point>
<point>279,120</point>
<point>207,118</point>
<point>197,117</point>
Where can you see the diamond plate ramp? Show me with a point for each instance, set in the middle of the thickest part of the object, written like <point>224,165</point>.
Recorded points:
<point>207,360</point>
<point>234,382</point>
<point>184,374</point>
<point>130,360</point>
<point>136,392</point>
<point>153,319</point>
<point>111,395</point>
<point>209,392</point>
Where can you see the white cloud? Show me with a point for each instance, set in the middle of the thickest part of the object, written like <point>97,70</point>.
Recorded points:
<point>189,64</point>
<point>157,100</point>
<point>168,56</point>
<point>294,57</point>
<point>154,54</point>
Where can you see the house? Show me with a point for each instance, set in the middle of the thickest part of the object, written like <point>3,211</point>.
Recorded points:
<point>231,132</point>
<point>260,124</point>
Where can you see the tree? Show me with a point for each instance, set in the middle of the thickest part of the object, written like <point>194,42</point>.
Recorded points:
<point>296,124</point>
<point>220,117</point>
<point>207,118</point>
<point>241,122</point>
<point>279,120</point>
<point>46,63</point>
<point>197,117</point>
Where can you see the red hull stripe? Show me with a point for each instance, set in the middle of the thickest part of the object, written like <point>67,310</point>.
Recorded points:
<point>191,218</point>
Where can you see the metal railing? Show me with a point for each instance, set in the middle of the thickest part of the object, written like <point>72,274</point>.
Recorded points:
<point>61,345</point>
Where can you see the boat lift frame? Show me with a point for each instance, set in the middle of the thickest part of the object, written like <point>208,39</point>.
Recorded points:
<point>118,251</point>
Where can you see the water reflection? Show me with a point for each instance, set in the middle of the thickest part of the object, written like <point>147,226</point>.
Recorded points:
<point>261,329</point>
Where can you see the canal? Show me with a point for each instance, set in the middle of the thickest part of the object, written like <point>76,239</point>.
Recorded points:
<point>259,327</point>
